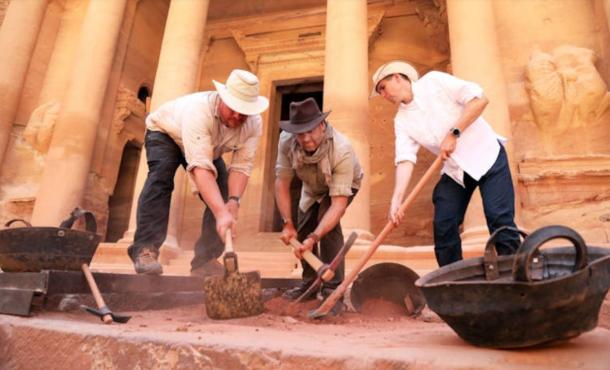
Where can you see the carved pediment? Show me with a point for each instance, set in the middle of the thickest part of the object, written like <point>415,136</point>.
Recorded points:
<point>301,42</point>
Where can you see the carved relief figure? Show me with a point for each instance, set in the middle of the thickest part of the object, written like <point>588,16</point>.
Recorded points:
<point>565,89</point>
<point>39,129</point>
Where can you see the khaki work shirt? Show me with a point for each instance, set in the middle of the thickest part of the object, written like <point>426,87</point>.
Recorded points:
<point>192,121</point>
<point>346,172</point>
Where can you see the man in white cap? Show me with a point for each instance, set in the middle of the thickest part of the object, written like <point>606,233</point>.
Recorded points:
<point>325,161</point>
<point>443,114</point>
<point>194,131</point>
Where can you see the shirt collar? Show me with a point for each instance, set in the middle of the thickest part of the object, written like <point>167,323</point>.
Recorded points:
<point>414,103</point>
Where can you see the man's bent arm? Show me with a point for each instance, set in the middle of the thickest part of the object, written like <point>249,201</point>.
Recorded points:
<point>282,198</point>
<point>472,110</point>
<point>404,170</point>
<point>338,205</point>
<point>237,183</point>
<point>208,189</point>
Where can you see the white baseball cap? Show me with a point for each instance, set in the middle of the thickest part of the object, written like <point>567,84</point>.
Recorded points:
<point>389,68</point>
<point>240,93</point>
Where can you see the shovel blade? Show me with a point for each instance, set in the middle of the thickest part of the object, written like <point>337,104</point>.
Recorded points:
<point>233,295</point>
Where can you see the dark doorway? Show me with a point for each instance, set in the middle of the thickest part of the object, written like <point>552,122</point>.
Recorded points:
<point>287,95</point>
<point>119,204</point>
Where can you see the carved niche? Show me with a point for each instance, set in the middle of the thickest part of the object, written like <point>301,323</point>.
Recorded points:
<point>127,104</point>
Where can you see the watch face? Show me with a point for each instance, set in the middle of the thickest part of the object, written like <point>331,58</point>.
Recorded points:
<point>456,132</point>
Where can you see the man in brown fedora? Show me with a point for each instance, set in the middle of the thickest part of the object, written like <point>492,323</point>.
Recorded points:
<point>194,131</point>
<point>326,163</point>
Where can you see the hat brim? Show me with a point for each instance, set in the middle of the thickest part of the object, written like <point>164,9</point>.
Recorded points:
<point>288,126</point>
<point>241,106</point>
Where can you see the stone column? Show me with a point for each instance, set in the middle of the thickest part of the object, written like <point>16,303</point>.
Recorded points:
<point>346,91</point>
<point>69,158</point>
<point>176,76</point>
<point>18,36</point>
<point>475,56</point>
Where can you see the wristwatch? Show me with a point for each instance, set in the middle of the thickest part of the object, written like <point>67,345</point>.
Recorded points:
<point>286,221</point>
<point>456,132</point>
<point>235,198</point>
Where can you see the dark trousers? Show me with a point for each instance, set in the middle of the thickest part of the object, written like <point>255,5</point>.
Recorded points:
<point>450,203</point>
<point>164,156</point>
<point>330,244</point>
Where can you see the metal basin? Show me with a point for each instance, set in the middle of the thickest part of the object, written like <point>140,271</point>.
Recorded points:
<point>388,281</point>
<point>32,249</point>
<point>531,298</point>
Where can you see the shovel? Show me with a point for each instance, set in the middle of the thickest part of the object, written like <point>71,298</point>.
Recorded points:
<point>332,299</point>
<point>234,294</point>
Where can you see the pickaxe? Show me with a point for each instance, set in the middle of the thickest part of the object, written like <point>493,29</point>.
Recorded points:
<point>324,271</point>
<point>332,299</point>
<point>103,312</point>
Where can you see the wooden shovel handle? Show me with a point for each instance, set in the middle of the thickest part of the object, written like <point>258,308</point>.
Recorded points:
<point>313,261</point>
<point>228,241</point>
<point>332,299</point>
<point>96,292</point>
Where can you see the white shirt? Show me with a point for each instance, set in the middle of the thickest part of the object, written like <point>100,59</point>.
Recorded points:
<point>192,122</point>
<point>438,102</point>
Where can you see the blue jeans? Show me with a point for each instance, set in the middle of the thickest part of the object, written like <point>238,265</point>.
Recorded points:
<point>451,200</point>
<point>164,156</point>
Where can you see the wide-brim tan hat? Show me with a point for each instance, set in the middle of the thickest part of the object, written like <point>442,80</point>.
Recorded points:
<point>240,93</point>
<point>389,68</point>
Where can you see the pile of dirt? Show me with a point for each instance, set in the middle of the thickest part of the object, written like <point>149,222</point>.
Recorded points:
<point>380,307</point>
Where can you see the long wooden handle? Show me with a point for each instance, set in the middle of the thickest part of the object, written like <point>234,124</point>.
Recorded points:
<point>313,261</point>
<point>228,241</point>
<point>311,258</point>
<point>96,292</point>
<point>332,299</point>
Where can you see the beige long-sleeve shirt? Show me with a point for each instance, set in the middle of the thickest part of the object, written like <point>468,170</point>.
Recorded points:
<point>192,121</point>
<point>346,172</point>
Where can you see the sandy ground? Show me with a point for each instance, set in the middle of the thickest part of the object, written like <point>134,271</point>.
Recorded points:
<point>382,337</point>
<point>279,314</point>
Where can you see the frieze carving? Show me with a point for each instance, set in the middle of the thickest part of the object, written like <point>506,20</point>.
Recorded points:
<point>566,91</point>
<point>292,44</point>
<point>127,104</point>
<point>39,129</point>
<point>433,13</point>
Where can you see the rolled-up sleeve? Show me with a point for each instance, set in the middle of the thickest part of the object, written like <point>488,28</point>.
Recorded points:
<point>459,90</point>
<point>406,148</point>
<point>243,158</point>
<point>197,141</point>
<point>283,167</point>
<point>342,176</point>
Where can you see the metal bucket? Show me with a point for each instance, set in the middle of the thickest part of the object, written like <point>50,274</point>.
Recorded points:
<point>32,249</point>
<point>391,282</point>
<point>530,298</point>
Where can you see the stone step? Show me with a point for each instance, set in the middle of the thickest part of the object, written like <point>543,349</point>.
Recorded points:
<point>265,253</point>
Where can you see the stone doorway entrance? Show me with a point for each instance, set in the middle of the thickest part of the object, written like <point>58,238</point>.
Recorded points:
<point>272,221</point>
<point>119,204</point>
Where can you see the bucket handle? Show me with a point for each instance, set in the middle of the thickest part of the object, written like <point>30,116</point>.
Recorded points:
<point>531,244</point>
<point>490,257</point>
<point>9,223</point>
<point>90,223</point>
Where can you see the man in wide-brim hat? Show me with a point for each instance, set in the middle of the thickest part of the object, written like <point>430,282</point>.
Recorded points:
<point>193,131</point>
<point>324,160</point>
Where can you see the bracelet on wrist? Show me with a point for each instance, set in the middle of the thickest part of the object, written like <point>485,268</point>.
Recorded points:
<point>315,237</point>
<point>235,198</point>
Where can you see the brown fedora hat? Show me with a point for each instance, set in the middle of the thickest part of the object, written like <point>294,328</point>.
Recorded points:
<point>304,116</point>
